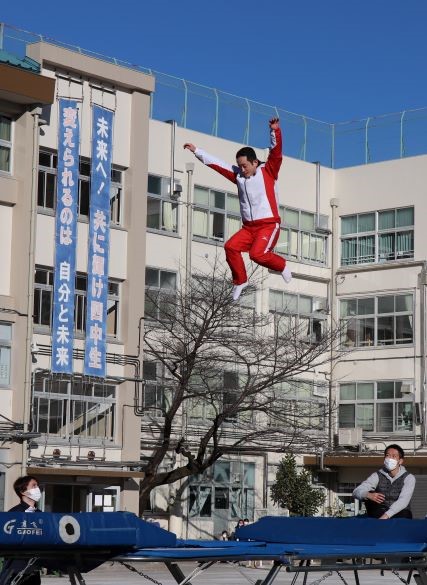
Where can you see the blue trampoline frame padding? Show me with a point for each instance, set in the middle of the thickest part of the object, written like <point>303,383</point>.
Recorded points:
<point>78,543</point>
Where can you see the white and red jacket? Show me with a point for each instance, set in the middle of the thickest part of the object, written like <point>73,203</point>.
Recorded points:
<point>258,195</point>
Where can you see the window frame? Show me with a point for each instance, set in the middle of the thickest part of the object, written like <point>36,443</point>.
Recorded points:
<point>44,395</point>
<point>300,232</point>
<point>376,402</point>
<point>313,397</point>
<point>8,144</point>
<point>6,344</point>
<point>315,318</point>
<point>162,198</point>
<point>117,212</point>
<point>210,210</point>
<point>80,300</point>
<point>377,256</point>
<point>237,485</point>
<point>355,322</point>
<point>162,291</point>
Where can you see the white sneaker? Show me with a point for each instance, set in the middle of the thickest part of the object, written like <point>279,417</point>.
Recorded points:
<point>237,290</point>
<point>287,275</point>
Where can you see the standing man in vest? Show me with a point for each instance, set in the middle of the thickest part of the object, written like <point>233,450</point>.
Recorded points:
<point>387,493</point>
<point>258,199</point>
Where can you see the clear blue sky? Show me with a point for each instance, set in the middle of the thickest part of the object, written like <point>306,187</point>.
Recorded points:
<point>329,59</point>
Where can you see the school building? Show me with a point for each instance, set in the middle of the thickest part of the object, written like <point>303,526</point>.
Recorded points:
<point>354,239</point>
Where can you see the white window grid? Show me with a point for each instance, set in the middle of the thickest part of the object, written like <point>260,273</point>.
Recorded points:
<point>46,197</point>
<point>162,211</point>
<point>6,145</point>
<point>371,239</point>
<point>69,409</point>
<point>401,406</point>
<point>212,222</point>
<point>299,239</point>
<point>361,328</point>
<point>5,353</point>
<point>43,302</point>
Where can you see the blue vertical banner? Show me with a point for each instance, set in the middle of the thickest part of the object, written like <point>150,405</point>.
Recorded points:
<point>65,237</point>
<point>99,243</point>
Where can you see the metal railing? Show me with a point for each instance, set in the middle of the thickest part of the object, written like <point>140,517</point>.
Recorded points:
<point>212,111</point>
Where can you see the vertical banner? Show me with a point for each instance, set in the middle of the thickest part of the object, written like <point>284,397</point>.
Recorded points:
<point>99,243</point>
<point>65,237</point>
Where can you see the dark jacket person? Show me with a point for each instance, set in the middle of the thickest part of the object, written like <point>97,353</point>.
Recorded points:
<point>387,493</point>
<point>28,491</point>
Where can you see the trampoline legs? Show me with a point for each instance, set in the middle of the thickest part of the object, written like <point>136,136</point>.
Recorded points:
<point>272,574</point>
<point>420,577</point>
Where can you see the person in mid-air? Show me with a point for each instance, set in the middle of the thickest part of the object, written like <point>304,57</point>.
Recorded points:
<point>257,189</point>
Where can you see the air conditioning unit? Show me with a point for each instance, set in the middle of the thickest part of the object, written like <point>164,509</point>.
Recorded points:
<point>320,304</point>
<point>406,388</point>
<point>350,437</point>
<point>321,390</point>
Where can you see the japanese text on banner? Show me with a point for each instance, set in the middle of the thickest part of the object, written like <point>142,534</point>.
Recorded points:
<point>65,237</point>
<point>99,243</point>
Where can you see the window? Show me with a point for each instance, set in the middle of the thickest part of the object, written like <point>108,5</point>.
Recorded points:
<point>46,195</point>
<point>298,403</point>
<point>74,409</point>
<point>217,393</point>
<point>216,215</point>
<point>5,144</point>
<point>5,353</point>
<point>43,297</point>
<point>156,397</point>
<point>306,316</point>
<point>160,287</point>
<point>298,237</point>
<point>162,212</point>
<point>377,321</point>
<point>232,485</point>
<point>379,407</point>
<point>380,236</point>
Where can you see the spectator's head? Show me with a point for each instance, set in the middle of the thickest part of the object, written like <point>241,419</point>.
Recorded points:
<point>241,522</point>
<point>394,451</point>
<point>245,521</point>
<point>27,488</point>
<point>393,457</point>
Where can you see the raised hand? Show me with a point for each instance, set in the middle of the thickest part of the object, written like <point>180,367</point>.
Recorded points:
<point>274,123</point>
<point>190,146</point>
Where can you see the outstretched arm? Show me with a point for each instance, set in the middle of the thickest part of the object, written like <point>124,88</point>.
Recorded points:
<point>217,165</point>
<point>274,161</point>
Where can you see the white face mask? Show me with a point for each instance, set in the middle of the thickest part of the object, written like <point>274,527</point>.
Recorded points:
<point>34,493</point>
<point>390,463</point>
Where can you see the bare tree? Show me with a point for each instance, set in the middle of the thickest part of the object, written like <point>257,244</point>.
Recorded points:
<point>233,378</point>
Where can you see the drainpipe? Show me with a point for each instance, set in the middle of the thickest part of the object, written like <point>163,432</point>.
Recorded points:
<point>317,163</point>
<point>334,203</point>
<point>189,167</point>
<point>172,171</point>
<point>423,335</point>
<point>30,287</point>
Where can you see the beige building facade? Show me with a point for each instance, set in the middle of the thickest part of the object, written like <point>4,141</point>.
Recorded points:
<point>84,440</point>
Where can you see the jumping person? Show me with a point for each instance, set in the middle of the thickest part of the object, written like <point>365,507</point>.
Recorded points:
<point>257,189</point>
<point>387,493</point>
<point>28,491</point>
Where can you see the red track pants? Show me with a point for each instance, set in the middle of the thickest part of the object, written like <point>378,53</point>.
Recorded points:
<point>258,241</point>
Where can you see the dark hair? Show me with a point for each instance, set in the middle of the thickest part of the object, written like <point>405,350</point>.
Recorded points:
<point>249,152</point>
<point>20,485</point>
<point>398,448</point>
